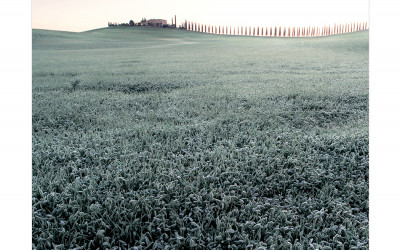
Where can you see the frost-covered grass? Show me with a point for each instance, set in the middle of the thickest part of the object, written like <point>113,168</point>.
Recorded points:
<point>164,139</point>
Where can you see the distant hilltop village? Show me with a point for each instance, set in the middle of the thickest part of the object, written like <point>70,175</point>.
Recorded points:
<point>151,22</point>
<point>271,31</point>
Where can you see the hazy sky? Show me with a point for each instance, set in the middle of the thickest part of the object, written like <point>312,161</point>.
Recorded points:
<point>81,15</point>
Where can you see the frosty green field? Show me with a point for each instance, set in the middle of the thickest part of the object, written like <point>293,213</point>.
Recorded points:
<point>161,139</point>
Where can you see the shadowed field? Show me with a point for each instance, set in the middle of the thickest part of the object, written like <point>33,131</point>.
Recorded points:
<point>154,138</point>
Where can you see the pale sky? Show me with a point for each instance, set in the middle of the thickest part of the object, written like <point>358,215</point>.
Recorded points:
<point>81,15</point>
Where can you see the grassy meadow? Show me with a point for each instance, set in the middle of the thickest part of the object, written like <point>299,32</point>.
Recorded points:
<point>149,138</point>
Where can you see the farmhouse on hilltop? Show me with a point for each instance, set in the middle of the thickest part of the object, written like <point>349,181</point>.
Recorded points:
<point>151,22</point>
<point>154,22</point>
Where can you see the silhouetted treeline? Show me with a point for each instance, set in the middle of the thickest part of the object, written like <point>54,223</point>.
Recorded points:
<point>131,23</point>
<point>276,31</point>
<point>144,22</point>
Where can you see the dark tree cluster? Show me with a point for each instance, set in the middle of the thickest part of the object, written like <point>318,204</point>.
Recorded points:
<point>131,23</point>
